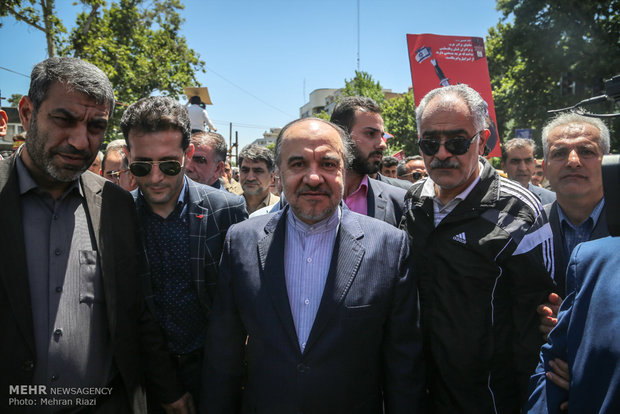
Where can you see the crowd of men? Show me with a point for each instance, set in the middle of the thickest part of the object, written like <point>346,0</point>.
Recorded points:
<point>360,284</point>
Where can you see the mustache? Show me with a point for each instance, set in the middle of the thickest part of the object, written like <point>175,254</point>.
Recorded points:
<point>318,189</point>
<point>71,150</point>
<point>375,153</point>
<point>447,163</point>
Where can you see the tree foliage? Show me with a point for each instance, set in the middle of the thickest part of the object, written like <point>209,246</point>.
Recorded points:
<point>399,119</point>
<point>38,14</point>
<point>364,85</point>
<point>137,43</point>
<point>536,43</point>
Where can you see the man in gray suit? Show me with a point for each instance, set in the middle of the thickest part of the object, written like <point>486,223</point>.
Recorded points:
<point>361,118</point>
<point>71,306</point>
<point>322,294</point>
<point>519,163</point>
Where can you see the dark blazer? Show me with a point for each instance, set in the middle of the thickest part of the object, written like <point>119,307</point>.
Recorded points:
<point>364,348</point>
<point>211,212</point>
<point>385,202</point>
<point>600,230</point>
<point>135,335</point>
<point>587,335</point>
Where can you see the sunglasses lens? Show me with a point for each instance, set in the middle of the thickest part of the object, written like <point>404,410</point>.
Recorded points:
<point>457,146</point>
<point>416,175</point>
<point>428,146</point>
<point>140,169</point>
<point>170,167</point>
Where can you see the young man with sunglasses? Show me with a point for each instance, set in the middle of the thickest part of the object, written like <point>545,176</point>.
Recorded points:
<point>182,228</point>
<point>481,254</point>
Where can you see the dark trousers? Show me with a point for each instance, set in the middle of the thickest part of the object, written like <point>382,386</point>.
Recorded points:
<point>189,372</point>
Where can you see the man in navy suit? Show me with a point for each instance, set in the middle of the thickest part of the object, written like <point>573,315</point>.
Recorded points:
<point>322,296</point>
<point>182,227</point>
<point>361,118</point>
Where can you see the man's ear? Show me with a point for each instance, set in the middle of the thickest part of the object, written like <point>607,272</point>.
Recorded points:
<point>189,152</point>
<point>3,123</point>
<point>219,169</point>
<point>484,136</point>
<point>127,152</point>
<point>26,111</point>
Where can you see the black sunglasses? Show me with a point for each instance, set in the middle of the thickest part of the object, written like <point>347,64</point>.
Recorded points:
<point>457,145</point>
<point>143,168</point>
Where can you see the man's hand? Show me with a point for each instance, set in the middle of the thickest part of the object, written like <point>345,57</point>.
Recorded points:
<point>184,405</point>
<point>560,376</point>
<point>549,314</point>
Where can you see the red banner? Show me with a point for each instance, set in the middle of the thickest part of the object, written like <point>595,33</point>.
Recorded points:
<point>449,60</point>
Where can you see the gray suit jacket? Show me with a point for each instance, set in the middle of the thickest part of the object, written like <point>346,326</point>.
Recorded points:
<point>385,202</point>
<point>561,263</point>
<point>364,348</point>
<point>139,349</point>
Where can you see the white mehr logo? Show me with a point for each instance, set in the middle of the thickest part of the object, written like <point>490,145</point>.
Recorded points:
<point>460,238</point>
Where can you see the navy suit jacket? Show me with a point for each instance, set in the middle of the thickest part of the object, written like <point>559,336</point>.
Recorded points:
<point>587,335</point>
<point>600,230</point>
<point>385,201</point>
<point>364,349</point>
<point>211,212</point>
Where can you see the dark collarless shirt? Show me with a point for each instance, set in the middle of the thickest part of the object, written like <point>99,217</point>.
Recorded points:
<point>178,307</point>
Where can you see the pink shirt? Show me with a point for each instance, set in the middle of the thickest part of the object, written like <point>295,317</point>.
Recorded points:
<point>356,201</point>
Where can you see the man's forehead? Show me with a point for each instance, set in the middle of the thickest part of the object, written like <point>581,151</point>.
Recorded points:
<point>61,96</point>
<point>522,152</point>
<point>253,163</point>
<point>575,130</point>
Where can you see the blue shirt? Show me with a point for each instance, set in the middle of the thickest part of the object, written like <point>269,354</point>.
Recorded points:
<point>178,307</point>
<point>573,235</point>
<point>307,256</point>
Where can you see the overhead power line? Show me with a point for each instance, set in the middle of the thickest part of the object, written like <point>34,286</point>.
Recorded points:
<point>251,94</point>
<point>12,71</point>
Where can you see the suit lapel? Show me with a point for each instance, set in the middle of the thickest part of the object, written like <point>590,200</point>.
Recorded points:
<point>271,259</point>
<point>346,260</point>
<point>97,214</point>
<point>376,204</point>
<point>13,269</point>
<point>198,217</point>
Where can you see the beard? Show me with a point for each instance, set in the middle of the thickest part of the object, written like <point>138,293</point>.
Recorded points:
<point>44,161</point>
<point>362,165</point>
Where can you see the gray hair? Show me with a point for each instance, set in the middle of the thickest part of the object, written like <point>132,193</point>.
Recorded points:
<point>73,73</point>
<point>517,143</point>
<point>401,169</point>
<point>256,153</point>
<point>476,105</point>
<point>213,140</point>
<point>573,118</point>
<point>347,143</point>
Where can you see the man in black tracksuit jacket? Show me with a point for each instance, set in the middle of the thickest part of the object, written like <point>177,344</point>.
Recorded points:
<point>484,261</point>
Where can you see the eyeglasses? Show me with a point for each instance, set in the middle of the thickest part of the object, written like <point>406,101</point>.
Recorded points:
<point>143,168</point>
<point>416,175</point>
<point>538,173</point>
<point>457,145</point>
<point>116,174</point>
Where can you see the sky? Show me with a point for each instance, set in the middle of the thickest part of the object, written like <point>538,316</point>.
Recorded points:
<point>263,58</point>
